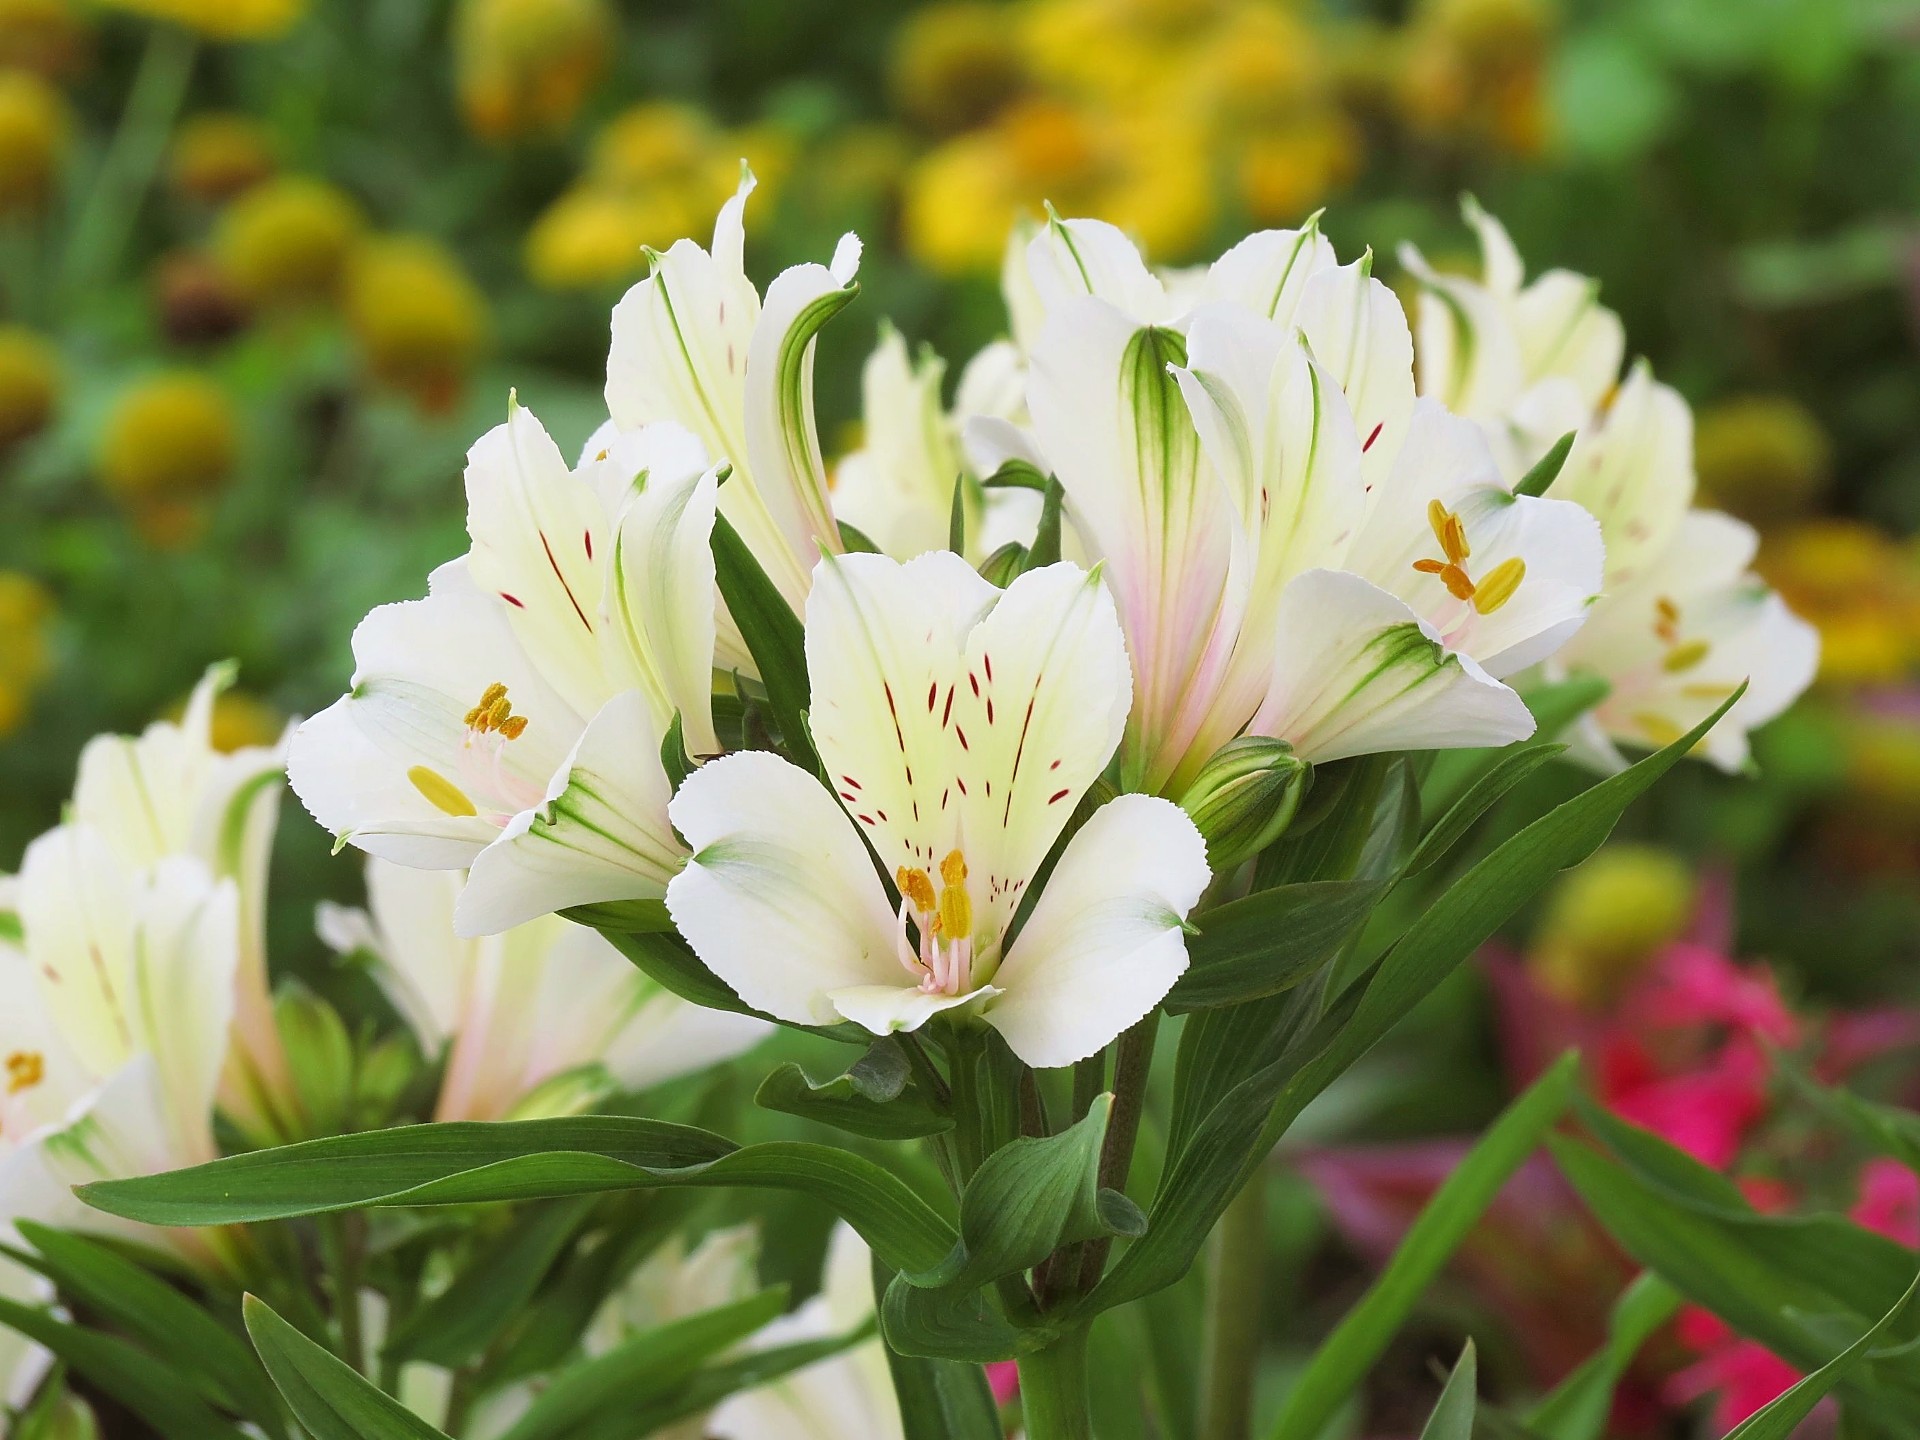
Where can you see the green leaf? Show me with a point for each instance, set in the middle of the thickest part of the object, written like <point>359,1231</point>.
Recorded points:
<point>1045,549</point>
<point>467,1161</point>
<point>871,1098</point>
<point>1346,1357</point>
<point>1017,474</point>
<point>957,517</point>
<point>1452,1417</point>
<point>856,541</point>
<point>1780,1418</point>
<point>329,1397</point>
<point>1893,1131</point>
<point>1300,1060</point>
<point>773,634</point>
<point>1027,1199</point>
<point>960,1326</point>
<point>488,1295</point>
<point>643,1368</point>
<point>215,1359</point>
<point>1578,1407</point>
<point>1270,940</point>
<point>674,759</point>
<point>669,962</point>
<point>616,917</point>
<point>715,1383</point>
<point>1546,469</point>
<point>1487,789</point>
<point>152,1389</point>
<point>939,1399</point>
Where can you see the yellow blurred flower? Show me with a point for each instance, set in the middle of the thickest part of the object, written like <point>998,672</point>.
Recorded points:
<point>26,611</point>
<point>1287,171</point>
<point>1145,172</point>
<point>34,126</point>
<point>524,67</point>
<point>1472,69</point>
<point>218,154</point>
<point>417,316</point>
<point>1883,769</point>
<point>1764,457</point>
<point>239,720</point>
<point>1605,919</point>
<point>220,19</point>
<point>29,384</point>
<point>1860,588</point>
<point>656,172</point>
<point>170,442</point>
<point>45,36</point>
<point>286,241</point>
<point>954,64</point>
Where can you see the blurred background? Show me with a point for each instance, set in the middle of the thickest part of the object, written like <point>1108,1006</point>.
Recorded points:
<point>269,266</point>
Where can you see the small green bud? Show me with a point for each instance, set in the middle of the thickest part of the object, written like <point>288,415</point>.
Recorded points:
<point>1004,565</point>
<point>319,1057</point>
<point>1245,797</point>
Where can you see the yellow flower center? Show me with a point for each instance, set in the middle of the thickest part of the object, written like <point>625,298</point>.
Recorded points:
<point>1682,655</point>
<point>947,911</point>
<point>495,714</point>
<point>25,1069</point>
<point>1493,589</point>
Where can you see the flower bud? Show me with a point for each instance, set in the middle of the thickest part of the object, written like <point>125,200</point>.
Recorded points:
<point>1004,565</point>
<point>29,384</point>
<point>1244,798</point>
<point>285,241</point>
<point>34,126</point>
<point>1604,920</point>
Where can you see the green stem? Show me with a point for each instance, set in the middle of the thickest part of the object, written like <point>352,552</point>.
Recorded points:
<point>1053,1390</point>
<point>340,1240</point>
<point>1131,1067</point>
<point>1235,1289</point>
<point>132,158</point>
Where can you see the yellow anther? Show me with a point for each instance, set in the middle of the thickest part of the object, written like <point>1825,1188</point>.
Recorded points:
<point>441,792</point>
<point>956,907</point>
<point>1449,531</point>
<point>1496,587</point>
<point>1451,534</point>
<point>1682,658</point>
<point>25,1069</point>
<point>953,869</point>
<point>494,714</point>
<point>513,727</point>
<point>1666,620</point>
<point>1658,728</point>
<point>917,886</point>
<point>499,713</point>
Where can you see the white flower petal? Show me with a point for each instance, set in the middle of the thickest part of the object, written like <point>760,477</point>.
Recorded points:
<point>1267,271</point>
<point>1356,330</point>
<point>1356,673</point>
<point>1072,258</point>
<point>886,1009</point>
<point>1104,943</point>
<point>539,543</point>
<point>780,899</point>
<point>601,834</point>
<point>1634,471</point>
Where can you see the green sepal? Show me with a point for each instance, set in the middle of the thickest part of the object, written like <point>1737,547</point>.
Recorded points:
<point>1546,469</point>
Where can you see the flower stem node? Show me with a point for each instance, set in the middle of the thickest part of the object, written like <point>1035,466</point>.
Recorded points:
<point>1245,797</point>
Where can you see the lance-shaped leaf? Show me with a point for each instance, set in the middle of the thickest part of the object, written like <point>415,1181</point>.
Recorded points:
<point>203,1351</point>
<point>872,1097</point>
<point>1270,940</point>
<point>1781,1418</point>
<point>1251,1115</point>
<point>1029,1198</point>
<point>1452,1417</point>
<point>1487,789</point>
<point>773,635</point>
<point>939,1399</point>
<point>709,1386</point>
<point>328,1396</point>
<point>954,1325</point>
<point>490,1292</point>
<point>154,1391</point>
<point>1546,469</point>
<point>643,1368</point>
<point>469,1162</point>
<point>1345,1358</point>
<point>1577,1408</point>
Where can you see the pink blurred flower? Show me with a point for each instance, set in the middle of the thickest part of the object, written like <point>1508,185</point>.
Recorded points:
<point>1889,1201</point>
<point>1003,1378</point>
<point>1743,1375</point>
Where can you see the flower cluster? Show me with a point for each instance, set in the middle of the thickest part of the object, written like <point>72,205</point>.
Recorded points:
<point>1289,538</point>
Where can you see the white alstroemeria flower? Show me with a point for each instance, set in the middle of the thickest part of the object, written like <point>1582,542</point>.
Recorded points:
<point>1632,468</point>
<point>169,792</point>
<point>511,722</point>
<point>850,1394</point>
<point>1530,361</point>
<point>693,343</point>
<point>1674,641</point>
<point>960,726</point>
<point>542,1019</point>
<point>1294,542</point>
